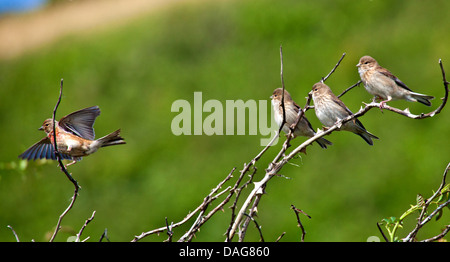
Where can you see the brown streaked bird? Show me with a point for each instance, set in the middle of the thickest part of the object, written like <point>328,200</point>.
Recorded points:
<point>74,137</point>
<point>303,127</point>
<point>330,109</point>
<point>381,83</point>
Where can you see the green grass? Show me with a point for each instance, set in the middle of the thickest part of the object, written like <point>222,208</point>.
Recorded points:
<point>228,51</point>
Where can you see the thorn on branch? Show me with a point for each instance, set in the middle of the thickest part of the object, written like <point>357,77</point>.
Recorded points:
<point>299,223</point>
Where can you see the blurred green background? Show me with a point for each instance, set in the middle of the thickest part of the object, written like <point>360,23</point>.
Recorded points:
<point>228,50</point>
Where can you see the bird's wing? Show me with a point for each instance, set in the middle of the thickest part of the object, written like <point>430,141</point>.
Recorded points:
<point>42,149</point>
<point>341,104</point>
<point>393,77</point>
<point>81,122</point>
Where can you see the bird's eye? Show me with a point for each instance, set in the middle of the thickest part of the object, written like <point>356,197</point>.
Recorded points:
<point>315,89</point>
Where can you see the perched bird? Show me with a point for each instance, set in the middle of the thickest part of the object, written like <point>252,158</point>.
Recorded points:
<point>74,137</point>
<point>303,127</point>
<point>381,83</point>
<point>329,109</point>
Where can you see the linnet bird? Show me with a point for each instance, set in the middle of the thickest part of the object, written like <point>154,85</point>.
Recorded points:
<point>75,137</point>
<point>381,83</point>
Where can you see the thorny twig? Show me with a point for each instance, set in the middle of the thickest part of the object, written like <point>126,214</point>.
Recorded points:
<point>234,205</point>
<point>299,223</point>
<point>201,219</point>
<point>84,226</point>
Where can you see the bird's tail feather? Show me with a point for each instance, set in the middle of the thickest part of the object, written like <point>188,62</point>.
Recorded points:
<point>367,136</point>
<point>424,99</point>
<point>323,142</point>
<point>112,139</point>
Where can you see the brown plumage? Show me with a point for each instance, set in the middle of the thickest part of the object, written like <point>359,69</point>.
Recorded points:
<point>74,137</point>
<point>329,109</point>
<point>381,83</point>
<point>304,127</point>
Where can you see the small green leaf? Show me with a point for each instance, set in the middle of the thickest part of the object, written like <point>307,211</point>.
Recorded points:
<point>390,220</point>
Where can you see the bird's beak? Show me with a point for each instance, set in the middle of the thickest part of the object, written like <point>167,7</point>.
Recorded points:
<point>41,128</point>
<point>358,65</point>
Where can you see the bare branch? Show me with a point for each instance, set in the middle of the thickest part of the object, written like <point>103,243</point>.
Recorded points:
<point>282,94</point>
<point>444,100</point>
<point>252,212</point>
<point>437,237</point>
<point>256,225</point>
<point>14,233</point>
<point>299,223</point>
<point>63,169</point>
<point>202,207</point>
<point>444,177</point>
<point>58,155</point>
<point>169,231</point>
<point>84,226</point>
<point>382,233</point>
<point>233,206</point>
<point>104,235</point>
<point>350,88</point>
<point>334,69</point>
<point>280,237</point>
<point>257,190</point>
